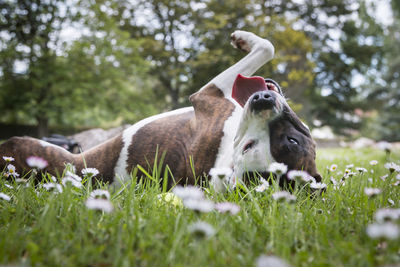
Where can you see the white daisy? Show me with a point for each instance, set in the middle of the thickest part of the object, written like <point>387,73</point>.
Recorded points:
<point>384,145</point>
<point>201,229</point>
<point>73,176</point>
<point>71,181</point>
<point>262,187</point>
<point>221,173</point>
<point>91,172</point>
<point>333,181</point>
<point>53,187</point>
<point>317,186</point>
<point>11,171</point>
<point>8,186</point>
<point>36,162</point>
<point>296,175</point>
<point>5,197</point>
<point>8,159</point>
<point>385,230</point>
<point>350,166</point>
<point>392,167</point>
<point>281,196</point>
<point>373,162</point>
<point>383,178</point>
<point>371,192</point>
<point>200,205</point>
<point>333,168</point>
<point>99,204</point>
<point>227,207</point>
<point>348,174</point>
<point>384,215</point>
<point>188,192</point>
<point>99,193</point>
<point>277,168</point>
<point>271,261</point>
<point>361,169</point>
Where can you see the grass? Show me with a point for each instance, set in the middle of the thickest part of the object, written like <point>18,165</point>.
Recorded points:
<point>42,228</point>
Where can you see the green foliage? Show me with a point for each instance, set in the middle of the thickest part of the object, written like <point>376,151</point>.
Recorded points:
<point>40,227</point>
<point>187,44</point>
<point>27,28</point>
<point>348,43</point>
<point>97,79</point>
<point>385,95</point>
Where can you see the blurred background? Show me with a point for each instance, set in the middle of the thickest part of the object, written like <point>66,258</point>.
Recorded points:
<point>67,66</point>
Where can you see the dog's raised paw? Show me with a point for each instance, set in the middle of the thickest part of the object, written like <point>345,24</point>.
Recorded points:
<point>247,41</point>
<point>240,40</point>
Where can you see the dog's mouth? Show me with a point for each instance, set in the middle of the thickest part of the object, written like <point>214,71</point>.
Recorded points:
<point>245,87</point>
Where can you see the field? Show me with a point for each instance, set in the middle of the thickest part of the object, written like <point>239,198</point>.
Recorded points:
<point>45,228</point>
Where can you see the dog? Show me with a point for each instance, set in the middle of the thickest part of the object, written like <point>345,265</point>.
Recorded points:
<point>237,122</point>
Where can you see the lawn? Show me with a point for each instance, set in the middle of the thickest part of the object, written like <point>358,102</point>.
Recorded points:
<point>39,226</point>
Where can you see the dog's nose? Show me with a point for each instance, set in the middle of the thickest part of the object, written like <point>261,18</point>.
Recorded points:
<point>262,100</point>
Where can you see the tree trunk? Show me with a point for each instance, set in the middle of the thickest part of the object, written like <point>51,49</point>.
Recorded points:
<point>42,127</point>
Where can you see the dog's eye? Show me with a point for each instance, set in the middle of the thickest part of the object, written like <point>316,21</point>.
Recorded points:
<point>292,140</point>
<point>248,146</point>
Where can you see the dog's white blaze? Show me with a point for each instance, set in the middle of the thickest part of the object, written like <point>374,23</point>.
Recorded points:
<point>261,51</point>
<point>224,157</point>
<point>121,174</point>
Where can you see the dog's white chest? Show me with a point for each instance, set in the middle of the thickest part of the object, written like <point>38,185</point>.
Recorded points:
<point>257,158</point>
<point>224,157</point>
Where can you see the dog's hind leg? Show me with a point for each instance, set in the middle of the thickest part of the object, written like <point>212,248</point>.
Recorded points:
<point>21,148</point>
<point>260,52</point>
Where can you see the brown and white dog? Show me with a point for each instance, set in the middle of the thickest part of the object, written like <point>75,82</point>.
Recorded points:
<point>240,123</point>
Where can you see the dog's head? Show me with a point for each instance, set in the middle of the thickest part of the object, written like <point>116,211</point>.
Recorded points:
<point>269,130</point>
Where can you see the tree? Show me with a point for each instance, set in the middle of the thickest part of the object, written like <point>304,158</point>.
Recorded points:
<point>347,42</point>
<point>187,43</point>
<point>385,95</point>
<point>164,28</point>
<point>89,81</point>
<point>29,30</point>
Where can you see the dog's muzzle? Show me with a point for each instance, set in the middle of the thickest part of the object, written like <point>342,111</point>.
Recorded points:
<point>262,100</point>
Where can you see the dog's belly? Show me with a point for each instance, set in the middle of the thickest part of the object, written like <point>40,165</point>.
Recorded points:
<point>193,140</point>
<point>137,143</point>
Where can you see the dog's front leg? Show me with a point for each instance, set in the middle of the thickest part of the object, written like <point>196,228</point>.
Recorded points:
<point>260,52</point>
